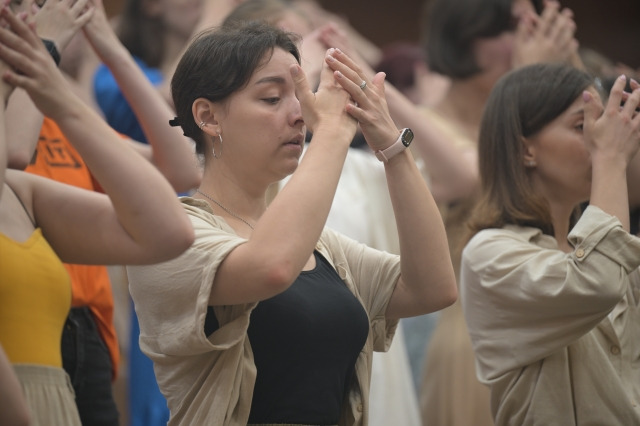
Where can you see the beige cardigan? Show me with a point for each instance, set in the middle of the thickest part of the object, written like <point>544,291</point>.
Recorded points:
<point>210,380</point>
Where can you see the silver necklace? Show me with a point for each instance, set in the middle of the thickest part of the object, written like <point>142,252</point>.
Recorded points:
<point>225,209</point>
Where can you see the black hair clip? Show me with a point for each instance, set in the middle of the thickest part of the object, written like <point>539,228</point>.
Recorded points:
<point>174,122</point>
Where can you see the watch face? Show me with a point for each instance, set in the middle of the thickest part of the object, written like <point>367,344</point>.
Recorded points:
<point>406,137</point>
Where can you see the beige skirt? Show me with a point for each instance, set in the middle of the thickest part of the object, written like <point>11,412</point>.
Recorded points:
<point>49,395</point>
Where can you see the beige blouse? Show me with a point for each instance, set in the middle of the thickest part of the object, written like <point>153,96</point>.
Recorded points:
<point>556,335</point>
<point>210,380</point>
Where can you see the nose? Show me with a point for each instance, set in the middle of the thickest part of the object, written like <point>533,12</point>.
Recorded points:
<point>295,115</point>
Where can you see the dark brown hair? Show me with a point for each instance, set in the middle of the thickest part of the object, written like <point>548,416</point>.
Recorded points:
<point>451,26</point>
<point>221,61</point>
<point>521,104</point>
<point>141,34</point>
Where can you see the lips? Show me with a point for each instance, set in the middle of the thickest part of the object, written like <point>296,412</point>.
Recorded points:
<point>298,140</point>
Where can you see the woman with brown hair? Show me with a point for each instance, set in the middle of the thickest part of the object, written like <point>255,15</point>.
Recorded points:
<point>271,317</point>
<point>551,296</point>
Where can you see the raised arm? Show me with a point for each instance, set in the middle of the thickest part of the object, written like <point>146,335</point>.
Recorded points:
<point>140,221</point>
<point>5,92</point>
<point>612,136</point>
<point>57,22</point>
<point>453,172</point>
<point>427,282</point>
<point>287,233</point>
<point>168,149</point>
<point>13,405</point>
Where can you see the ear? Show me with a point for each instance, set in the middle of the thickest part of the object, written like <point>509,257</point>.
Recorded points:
<point>529,153</point>
<point>205,111</point>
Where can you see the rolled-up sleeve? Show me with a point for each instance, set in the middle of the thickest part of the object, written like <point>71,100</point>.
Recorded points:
<point>171,298</point>
<point>524,299</point>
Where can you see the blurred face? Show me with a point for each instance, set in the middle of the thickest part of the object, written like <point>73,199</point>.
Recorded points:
<point>563,164</point>
<point>292,21</point>
<point>262,125</point>
<point>23,5</point>
<point>493,55</point>
<point>179,16</point>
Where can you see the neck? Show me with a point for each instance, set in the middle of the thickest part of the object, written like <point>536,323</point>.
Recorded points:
<point>560,217</point>
<point>561,208</point>
<point>464,105</point>
<point>234,194</point>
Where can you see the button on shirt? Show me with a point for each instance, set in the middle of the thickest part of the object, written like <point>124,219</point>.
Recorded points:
<point>556,335</point>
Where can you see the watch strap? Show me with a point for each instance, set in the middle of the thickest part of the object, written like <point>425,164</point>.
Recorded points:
<point>396,148</point>
<point>52,49</point>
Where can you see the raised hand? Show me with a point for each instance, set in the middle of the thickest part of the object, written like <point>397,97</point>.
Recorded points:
<point>545,38</point>
<point>370,107</point>
<point>327,105</point>
<point>60,20</point>
<point>615,131</point>
<point>100,34</point>
<point>31,66</point>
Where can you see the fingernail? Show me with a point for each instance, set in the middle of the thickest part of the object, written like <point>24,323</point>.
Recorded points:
<point>330,52</point>
<point>623,77</point>
<point>295,70</point>
<point>338,50</point>
<point>330,58</point>
<point>586,96</point>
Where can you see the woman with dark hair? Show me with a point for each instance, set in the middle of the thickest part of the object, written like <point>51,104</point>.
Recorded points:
<point>270,317</point>
<point>551,297</point>
<point>474,43</point>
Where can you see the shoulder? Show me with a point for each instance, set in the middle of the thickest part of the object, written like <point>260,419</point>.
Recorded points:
<point>488,244</point>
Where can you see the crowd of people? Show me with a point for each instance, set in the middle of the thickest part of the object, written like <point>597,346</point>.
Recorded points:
<point>250,214</point>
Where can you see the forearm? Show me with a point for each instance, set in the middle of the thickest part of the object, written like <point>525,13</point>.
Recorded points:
<point>23,124</point>
<point>633,176</point>
<point>453,176</point>
<point>427,272</point>
<point>609,187</point>
<point>291,226</point>
<point>13,405</point>
<point>171,151</point>
<point>3,152</point>
<point>142,199</point>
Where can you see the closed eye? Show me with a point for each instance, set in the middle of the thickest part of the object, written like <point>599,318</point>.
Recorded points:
<point>272,101</point>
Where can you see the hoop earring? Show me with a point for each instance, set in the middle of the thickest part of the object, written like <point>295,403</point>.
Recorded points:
<point>201,125</point>
<point>213,149</point>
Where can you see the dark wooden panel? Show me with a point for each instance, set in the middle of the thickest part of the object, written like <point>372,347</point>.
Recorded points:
<point>611,27</point>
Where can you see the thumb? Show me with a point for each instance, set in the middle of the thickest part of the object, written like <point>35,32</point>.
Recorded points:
<point>590,109</point>
<point>378,80</point>
<point>303,91</point>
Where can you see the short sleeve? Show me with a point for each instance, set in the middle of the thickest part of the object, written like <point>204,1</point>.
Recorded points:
<point>171,298</point>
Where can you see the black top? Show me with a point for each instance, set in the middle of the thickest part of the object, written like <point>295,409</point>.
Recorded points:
<point>305,343</point>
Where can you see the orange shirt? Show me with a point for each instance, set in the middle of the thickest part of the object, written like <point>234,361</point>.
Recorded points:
<point>57,159</point>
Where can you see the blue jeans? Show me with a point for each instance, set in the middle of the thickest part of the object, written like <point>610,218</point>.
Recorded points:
<point>86,360</point>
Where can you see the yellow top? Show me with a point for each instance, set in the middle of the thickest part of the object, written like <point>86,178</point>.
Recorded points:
<point>35,298</point>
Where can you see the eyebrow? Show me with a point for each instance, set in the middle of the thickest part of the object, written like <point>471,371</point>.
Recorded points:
<point>272,79</point>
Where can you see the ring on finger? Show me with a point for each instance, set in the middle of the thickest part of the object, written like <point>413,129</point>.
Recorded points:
<point>363,85</point>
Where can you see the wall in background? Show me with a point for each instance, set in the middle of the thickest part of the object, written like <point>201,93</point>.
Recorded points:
<point>610,27</point>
